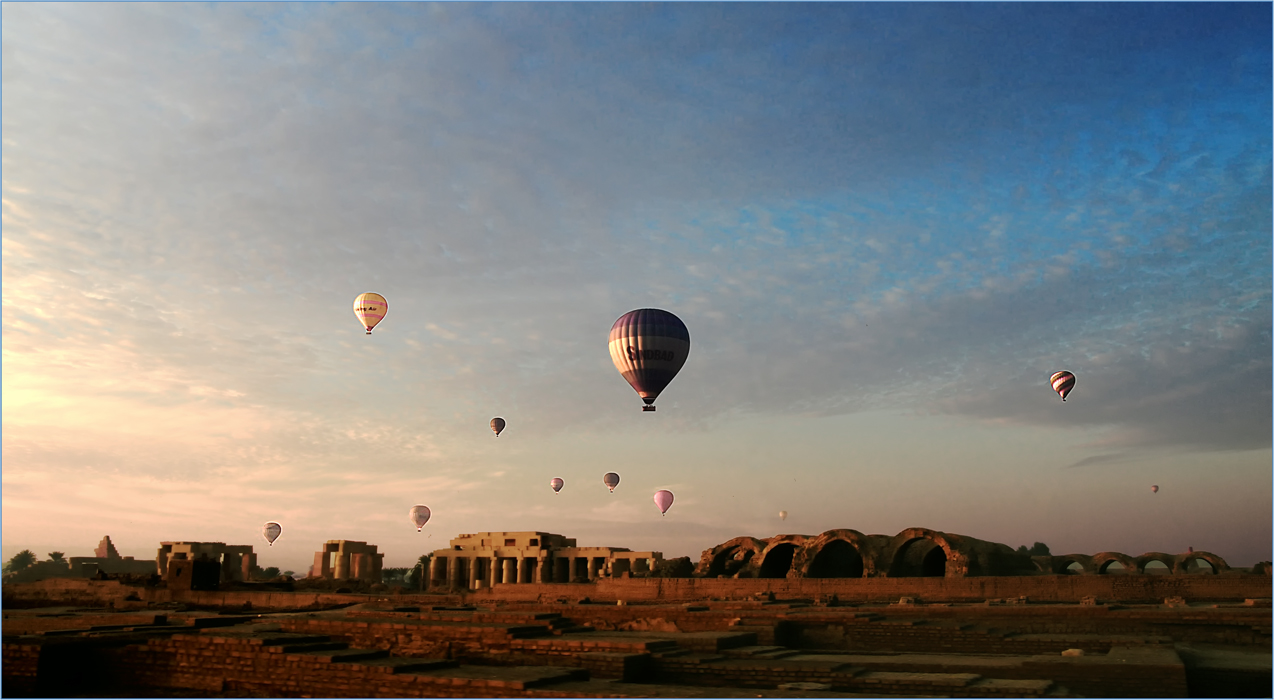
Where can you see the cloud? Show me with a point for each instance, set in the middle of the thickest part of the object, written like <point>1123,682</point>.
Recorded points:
<point>193,195</point>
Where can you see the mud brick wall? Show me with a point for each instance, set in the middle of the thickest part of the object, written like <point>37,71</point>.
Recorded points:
<point>915,636</point>
<point>88,593</point>
<point>219,664</point>
<point>842,677</point>
<point>1102,680</point>
<point>21,666</point>
<point>1219,626</point>
<point>1126,588</point>
<point>719,672</point>
<point>30,625</point>
<point>413,638</point>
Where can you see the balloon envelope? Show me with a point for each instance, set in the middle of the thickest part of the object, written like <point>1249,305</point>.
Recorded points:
<point>782,515</point>
<point>663,499</point>
<point>370,308</point>
<point>611,480</point>
<point>1062,383</point>
<point>419,516</point>
<point>1154,489</point>
<point>557,484</point>
<point>497,424</point>
<point>648,347</point>
<point>271,531</point>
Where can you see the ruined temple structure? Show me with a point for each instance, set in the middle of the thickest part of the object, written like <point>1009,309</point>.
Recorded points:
<point>487,558</point>
<point>348,560</point>
<point>918,551</point>
<point>1191,562</point>
<point>234,562</point>
<point>106,559</point>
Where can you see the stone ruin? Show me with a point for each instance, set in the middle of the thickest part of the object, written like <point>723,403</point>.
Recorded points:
<point>484,559</point>
<point>919,552</point>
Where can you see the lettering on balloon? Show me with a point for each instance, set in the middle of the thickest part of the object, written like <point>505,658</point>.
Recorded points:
<point>666,355</point>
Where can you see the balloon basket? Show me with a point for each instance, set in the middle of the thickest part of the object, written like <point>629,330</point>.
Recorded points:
<point>647,408</point>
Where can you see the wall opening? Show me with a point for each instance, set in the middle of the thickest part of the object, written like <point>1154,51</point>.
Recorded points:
<point>837,559</point>
<point>1157,567</point>
<point>1112,567</point>
<point>729,561</point>
<point>919,557</point>
<point>1074,568</point>
<point>778,561</point>
<point>1200,566</point>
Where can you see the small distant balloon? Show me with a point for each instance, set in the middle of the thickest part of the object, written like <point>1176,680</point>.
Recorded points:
<point>1154,488</point>
<point>271,531</point>
<point>1063,382</point>
<point>782,515</point>
<point>370,308</point>
<point>557,484</point>
<point>419,515</point>
<point>611,480</point>
<point>663,499</point>
<point>648,347</point>
<point>497,424</point>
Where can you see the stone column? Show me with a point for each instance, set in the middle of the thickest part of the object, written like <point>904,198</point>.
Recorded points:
<point>435,568</point>
<point>497,572</point>
<point>593,568</point>
<point>524,570</point>
<point>342,566</point>
<point>543,569</point>
<point>473,572</point>
<point>320,565</point>
<point>515,570</point>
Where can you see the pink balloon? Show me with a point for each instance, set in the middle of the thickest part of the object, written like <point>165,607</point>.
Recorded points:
<point>663,499</point>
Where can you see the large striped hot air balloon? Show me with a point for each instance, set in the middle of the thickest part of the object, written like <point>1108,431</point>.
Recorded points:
<point>648,347</point>
<point>370,308</point>
<point>1063,382</point>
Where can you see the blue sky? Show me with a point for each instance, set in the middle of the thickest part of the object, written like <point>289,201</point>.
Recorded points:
<point>885,225</point>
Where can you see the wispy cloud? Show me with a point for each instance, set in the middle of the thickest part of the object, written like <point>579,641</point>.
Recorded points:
<point>854,208</point>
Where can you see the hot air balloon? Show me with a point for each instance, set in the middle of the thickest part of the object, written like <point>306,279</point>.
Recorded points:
<point>370,308</point>
<point>648,347</point>
<point>663,499</point>
<point>1154,488</point>
<point>1063,382</point>
<point>782,515</point>
<point>271,531</point>
<point>611,480</point>
<point>557,484</point>
<point>419,515</point>
<point>497,424</point>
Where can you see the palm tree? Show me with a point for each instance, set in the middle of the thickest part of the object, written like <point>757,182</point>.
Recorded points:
<point>20,561</point>
<point>56,556</point>
<point>420,572</point>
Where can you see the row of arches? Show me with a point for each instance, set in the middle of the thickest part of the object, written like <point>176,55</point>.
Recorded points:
<point>838,554</point>
<point>1109,563</point>
<point>919,552</point>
